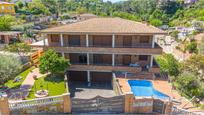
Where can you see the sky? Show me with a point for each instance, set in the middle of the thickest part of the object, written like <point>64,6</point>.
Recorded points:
<point>114,0</point>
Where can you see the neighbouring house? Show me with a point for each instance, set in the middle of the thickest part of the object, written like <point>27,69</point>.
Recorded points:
<point>8,37</point>
<point>190,2</point>
<point>183,31</point>
<point>99,47</point>
<point>7,8</point>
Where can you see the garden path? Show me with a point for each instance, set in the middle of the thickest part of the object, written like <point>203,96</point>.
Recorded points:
<point>29,81</point>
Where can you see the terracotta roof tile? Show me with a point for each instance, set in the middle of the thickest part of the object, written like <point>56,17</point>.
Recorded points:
<point>107,26</point>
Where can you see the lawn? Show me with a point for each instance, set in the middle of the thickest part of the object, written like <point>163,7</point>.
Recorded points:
<point>17,85</point>
<point>54,85</point>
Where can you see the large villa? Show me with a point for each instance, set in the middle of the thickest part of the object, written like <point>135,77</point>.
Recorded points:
<point>99,47</point>
<point>113,70</point>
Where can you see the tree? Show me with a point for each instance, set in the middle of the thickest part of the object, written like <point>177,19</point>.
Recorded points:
<point>163,64</point>
<point>51,4</point>
<point>156,22</point>
<point>125,15</point>
<point>169,64</point>
<point>36,7</point>
<point>21,48</point>
<point>194,64</point>
<point>51,62</point>
<point>6,22</point>
<point>173,65</point>
<point>189,85</point>
<point>192,47</point>
<point>10,67</point>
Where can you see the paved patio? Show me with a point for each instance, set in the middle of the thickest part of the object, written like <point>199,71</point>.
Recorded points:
<point>83,91</point>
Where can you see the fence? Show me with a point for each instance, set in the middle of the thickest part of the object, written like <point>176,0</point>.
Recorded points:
<point>52,104</point>
<point>34,58</point>
<point>35,102</point>
<point>146,105</point>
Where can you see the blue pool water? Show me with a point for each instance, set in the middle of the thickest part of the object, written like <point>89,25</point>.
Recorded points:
<point>144,88</point>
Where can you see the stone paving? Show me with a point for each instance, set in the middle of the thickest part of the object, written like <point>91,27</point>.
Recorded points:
<point>29,81</point>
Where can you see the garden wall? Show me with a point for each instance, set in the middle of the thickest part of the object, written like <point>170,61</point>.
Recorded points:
<point>146,105</point>
<point>116,87</point>
<point>53,104</point>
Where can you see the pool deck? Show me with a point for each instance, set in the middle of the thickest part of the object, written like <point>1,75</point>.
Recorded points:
<point>162,86</point>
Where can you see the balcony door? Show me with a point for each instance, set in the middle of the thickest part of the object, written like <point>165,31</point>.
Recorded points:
<point>74,40</point>
<point>127,41</point>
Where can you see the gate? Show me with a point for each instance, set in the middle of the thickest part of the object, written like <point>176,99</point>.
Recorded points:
<point>158,106</point>
<point>99,104</point>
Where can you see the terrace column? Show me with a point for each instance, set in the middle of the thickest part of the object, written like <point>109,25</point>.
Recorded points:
<point>6,37</point>
<point>113,40</point>
<point>62,54</point>
<point>88,59</point>
<point>113,59</point>
<point>87,40</point>
<point>43,40</point>
<point>61,40</point>
<point>151,61</point>
<point>153,40</point>
<point>88,78</point>
<point>4,108</point>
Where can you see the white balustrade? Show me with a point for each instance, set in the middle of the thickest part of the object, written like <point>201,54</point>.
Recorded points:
<point>13,105</point>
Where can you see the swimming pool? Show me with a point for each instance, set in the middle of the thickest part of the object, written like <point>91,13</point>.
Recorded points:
<point>144,88</point>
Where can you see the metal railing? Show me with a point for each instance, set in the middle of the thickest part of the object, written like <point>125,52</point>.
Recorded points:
<point>136,45</point>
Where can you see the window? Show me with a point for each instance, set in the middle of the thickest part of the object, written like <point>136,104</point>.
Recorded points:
<point>143,57</point>
<point>55,38</point>
<point>74,40</point>
<point>82,58</point>
<point>9,7</point>
<point>144,39</point>
<point>2,7</point>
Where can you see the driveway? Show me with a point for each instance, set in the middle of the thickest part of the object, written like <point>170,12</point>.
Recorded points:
<point>83,91</point>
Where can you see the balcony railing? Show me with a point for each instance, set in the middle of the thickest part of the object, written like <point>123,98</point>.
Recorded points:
<point>78,63</point>
<point>76,45</point>
<point>101,64</point>
<point>105,68</point>
<point>136,45</point>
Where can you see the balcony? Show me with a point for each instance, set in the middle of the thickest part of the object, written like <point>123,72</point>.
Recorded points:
<point>104,68</point>
<point>107,50</point>
<point>105,44</point>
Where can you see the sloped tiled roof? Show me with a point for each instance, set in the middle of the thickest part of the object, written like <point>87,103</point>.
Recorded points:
<point>5,2</point>
<point>106,26</point>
